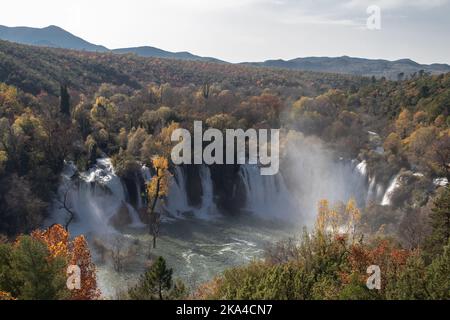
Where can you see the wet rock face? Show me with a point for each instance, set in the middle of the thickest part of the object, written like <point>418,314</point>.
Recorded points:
<point>193,185</point>
<point>229,192</point>
<point>230,195</point>
<point>132,189</point>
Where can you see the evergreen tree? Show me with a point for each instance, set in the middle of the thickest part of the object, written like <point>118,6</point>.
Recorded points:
<point>440,222</point>
<point>27,272</point>
<point>410,284</point>
<point>438,279</point>
<point>154,283</point>
<point>64,100</point>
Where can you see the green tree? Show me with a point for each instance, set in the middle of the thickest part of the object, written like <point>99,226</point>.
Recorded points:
<point>27,272</point>
<point>410,282</point>
<point>64,100</point>
<point>438,279</point>
<point>156,283</point>
<point>440,223</point>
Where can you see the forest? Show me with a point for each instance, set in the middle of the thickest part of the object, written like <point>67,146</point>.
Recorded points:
<point>60,106</point>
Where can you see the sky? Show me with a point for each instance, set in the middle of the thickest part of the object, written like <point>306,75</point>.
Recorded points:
<point>250,30</point>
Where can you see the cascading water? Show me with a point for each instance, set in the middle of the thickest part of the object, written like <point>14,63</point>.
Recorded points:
<point>208,207</point>
<point>375,190</point>
<point>267,196</point>
<point>177,201</point>
<point>393,186</point>
<point>362,168</point>
<point>95,197</point>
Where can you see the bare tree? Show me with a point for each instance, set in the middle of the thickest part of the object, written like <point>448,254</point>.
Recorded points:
<point>66,205</point>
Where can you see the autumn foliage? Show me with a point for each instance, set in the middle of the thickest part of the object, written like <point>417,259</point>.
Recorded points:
<point>76,252</point>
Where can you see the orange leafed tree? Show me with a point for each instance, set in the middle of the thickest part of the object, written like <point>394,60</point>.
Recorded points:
<point>76,253</point>
<point>5,296</point>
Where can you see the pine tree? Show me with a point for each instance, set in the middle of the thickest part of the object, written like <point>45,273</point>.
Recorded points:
<point>410,284</point>
<point>440,222</point>
<point>64,100</point>
<point>154,283</point>
<point>438,279</point>
<point>29,274</point>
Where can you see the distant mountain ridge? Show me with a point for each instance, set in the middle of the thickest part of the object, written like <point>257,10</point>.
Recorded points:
<point>57,37</point>
<point>51,36</point>
<point>356,66</point>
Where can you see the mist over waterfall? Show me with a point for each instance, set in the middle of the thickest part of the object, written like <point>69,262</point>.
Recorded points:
<point>95,197</point>
<point>313,173</point>
<point>267,196</point>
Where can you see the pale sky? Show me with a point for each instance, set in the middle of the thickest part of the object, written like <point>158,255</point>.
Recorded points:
<point>250,30</point>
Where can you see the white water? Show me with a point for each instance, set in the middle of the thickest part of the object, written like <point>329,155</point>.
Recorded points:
<point>393,186</point>
<point>95,197</point>
<point>177,202</point>
<point>208,208</point>
<point>267,196</point>
<point>362,168</point>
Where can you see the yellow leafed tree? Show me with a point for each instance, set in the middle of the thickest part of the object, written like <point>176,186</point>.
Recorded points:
<point>157,189</point>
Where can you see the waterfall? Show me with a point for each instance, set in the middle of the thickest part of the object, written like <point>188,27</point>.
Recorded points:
<point>208,207</point>
<point>95,197</point>
<point>393,186</point>
<point>371,194</point>
<point>362,169</point>
<point>177,201</point>
<point>99,196</point>
<point>267,196</point>
<point>375,193</point>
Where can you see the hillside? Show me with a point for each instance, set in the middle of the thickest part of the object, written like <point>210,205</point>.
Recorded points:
<point>152,52</point>
<point>35,69</point>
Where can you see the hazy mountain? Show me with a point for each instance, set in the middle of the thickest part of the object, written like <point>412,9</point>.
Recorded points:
<point>51,36</point>
<point>356,66</point>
